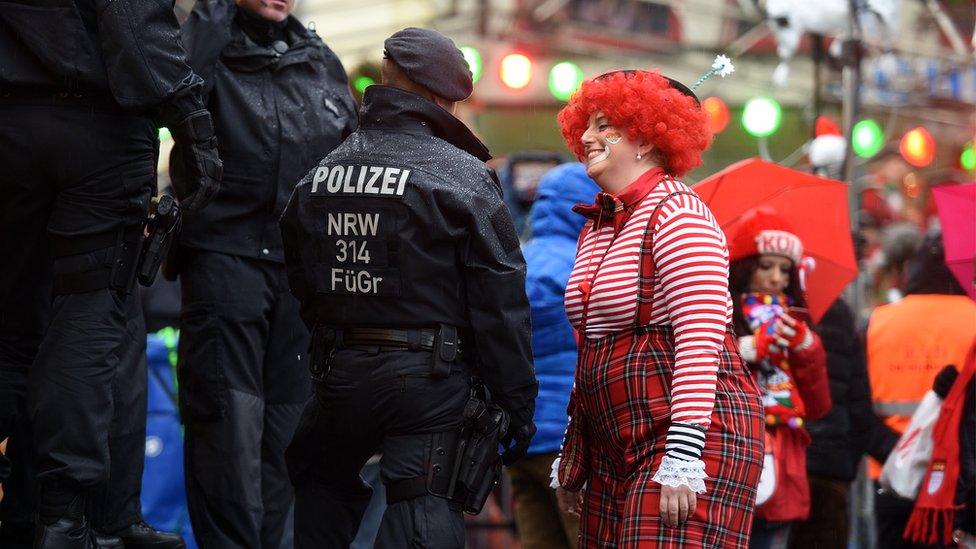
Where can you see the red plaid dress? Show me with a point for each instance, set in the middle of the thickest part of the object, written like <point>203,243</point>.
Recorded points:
<point>620,412</point>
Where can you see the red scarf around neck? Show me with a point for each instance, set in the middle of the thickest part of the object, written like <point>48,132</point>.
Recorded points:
<point>936,502</point>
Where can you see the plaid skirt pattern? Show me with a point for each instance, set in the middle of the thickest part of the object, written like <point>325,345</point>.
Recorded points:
<point>620,414</point>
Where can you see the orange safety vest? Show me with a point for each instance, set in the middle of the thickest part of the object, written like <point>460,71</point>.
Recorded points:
<point>908,342</point>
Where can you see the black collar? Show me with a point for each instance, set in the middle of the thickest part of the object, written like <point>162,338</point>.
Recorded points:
<point>242,53</point>
<point>262,31</point>
<point>393,108</point>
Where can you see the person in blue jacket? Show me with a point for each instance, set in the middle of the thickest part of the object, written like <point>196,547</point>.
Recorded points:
<point>549,257</point>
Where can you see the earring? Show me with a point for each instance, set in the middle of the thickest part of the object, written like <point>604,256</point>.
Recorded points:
<point>638,155</point>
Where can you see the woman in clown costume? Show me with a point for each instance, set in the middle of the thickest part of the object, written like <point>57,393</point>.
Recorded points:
<point>664,443</point>
<point>787,361</point>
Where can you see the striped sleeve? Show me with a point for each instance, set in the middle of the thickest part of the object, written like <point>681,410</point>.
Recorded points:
<point>692,265</point>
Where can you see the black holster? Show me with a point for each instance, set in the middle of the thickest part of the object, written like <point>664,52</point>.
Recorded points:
<point>478,465</point>
<point>464,465</point>
<point>322,351</point>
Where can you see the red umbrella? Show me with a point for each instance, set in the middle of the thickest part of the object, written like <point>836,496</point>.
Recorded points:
<point>814,207</point>
<point>957,215</point>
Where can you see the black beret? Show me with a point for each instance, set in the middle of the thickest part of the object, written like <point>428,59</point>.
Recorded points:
<point>432,60</point>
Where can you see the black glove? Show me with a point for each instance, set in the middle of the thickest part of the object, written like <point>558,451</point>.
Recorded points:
<point>197,170</point>
<point>944,381</point>
<point>516,442</point>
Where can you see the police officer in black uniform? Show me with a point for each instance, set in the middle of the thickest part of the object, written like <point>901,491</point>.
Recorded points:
<point>280,100</point>
<point>408,268</point>
<point>83,87</point>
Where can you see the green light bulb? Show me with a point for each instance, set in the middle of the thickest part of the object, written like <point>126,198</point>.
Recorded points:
<point>473,57</point>
<point>968,157</point>
<point>564,79</point>
<point>867,138</point>
<point>762,116</point>
<point>362,82</point>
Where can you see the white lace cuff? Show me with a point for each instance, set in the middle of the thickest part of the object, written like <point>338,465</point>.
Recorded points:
<point>554,473</point>
<point>678,472</point>
<point>747,349</point>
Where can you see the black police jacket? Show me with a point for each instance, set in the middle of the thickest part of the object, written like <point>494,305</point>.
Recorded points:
<point>120,51</point>
<point>276,113</point>
<point>404,226</point>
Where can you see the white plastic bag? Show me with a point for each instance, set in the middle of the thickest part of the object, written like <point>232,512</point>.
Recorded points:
<point>906,465</point>
<point>767,479</point>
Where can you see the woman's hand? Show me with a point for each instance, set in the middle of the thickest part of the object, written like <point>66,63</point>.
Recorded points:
<point>791,333</point>
<point>677,504</point>
<point>569,502</point>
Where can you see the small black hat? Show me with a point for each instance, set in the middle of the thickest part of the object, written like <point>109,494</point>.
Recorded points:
<point>432,60</point>
<point>674,83</point>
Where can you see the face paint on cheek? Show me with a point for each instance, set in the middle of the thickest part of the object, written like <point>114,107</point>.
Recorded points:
<point>612,139</point>
<point>600,157</point>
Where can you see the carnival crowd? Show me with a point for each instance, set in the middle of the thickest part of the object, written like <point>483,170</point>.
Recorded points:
<point>360,296</point>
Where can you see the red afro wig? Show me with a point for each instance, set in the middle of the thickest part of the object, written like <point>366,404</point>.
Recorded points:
<point>645,106</point>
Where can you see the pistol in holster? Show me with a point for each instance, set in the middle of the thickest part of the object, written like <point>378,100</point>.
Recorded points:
<point>464,465</point>
<point>322,351</point>
<point>477,464</point>
<point>163,225</point>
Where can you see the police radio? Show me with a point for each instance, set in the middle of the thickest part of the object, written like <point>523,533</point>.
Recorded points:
<point>162,226</point>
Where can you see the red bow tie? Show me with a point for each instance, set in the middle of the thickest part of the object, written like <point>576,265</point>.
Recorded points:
<point>605,209</point>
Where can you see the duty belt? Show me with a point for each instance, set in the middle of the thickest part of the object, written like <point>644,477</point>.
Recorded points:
<point>391,339</point>
<point>115,254</point>
<point>444,344</point>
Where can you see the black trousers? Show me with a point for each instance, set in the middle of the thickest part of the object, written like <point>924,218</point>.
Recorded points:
<point>243,380</point>
<point>87,395</point>
<point>25,295</point>
<point>827,527</point>
<point>368,400</point>
<point>73,172</point>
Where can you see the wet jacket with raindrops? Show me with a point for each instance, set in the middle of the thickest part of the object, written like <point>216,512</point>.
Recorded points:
<point>124,53</point>
<point>280,101</point>
<point>403,226</point>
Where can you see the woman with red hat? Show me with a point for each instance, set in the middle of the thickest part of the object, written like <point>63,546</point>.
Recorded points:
<point>664,444</point>
<point>787,361</point>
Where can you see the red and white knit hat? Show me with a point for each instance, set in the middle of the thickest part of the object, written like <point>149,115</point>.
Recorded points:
<point>762,232</point>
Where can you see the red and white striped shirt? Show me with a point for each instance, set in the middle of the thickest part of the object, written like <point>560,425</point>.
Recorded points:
<point>690,287</point>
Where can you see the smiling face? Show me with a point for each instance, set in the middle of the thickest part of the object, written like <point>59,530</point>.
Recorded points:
<point>610,157</point>
<point>272,10</point>
<point>772,274</point>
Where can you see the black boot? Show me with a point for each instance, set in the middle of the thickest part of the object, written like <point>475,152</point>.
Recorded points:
<point>142,536</point>
<point>70,531</point>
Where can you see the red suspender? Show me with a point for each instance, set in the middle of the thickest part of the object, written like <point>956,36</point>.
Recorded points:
<point>645,277</point>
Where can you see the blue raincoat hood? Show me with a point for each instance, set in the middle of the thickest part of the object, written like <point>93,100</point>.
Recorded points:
<point>559,190</point>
